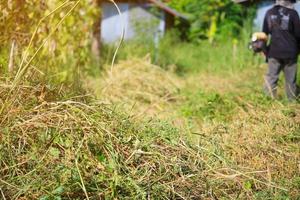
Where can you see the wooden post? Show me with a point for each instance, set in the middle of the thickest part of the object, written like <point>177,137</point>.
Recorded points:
<point>96,43</point>
<point>11,57</point>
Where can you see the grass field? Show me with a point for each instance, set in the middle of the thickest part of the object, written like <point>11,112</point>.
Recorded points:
<point>199,127</point>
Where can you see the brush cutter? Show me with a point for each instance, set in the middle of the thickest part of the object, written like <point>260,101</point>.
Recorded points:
<point>258,43</point>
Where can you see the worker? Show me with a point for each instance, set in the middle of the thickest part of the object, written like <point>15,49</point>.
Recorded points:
<point>282,23</point>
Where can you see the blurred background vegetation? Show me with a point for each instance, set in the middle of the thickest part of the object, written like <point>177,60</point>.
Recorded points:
<point>216,29</point>
<point>211,23</point>
<point>219,19</point>
<point>65,53</point>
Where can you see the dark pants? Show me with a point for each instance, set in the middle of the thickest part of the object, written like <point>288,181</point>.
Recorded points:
<point>289,67</point>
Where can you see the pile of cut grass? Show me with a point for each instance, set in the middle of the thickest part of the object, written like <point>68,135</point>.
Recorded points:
<point>250,143</point>
<point>82,149</point>
<point>75,150</point>
<point>139,86</point>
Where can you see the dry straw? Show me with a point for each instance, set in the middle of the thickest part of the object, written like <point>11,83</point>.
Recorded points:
<point>121,38</point>
<point>26,62</point>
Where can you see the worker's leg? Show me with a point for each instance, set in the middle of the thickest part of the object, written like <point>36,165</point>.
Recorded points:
<point>290,73</point>
<point>272,76</point>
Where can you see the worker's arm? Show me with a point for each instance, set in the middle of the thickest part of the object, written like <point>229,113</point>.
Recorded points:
<point>296,26</point>
<point>266,29</point>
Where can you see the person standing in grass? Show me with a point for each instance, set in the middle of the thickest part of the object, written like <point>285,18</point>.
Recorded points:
<point>283,24</point>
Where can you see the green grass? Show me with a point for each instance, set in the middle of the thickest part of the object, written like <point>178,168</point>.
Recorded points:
<point>228,56</point>
<point>221,137</point>
<point>222,109</point>
<point>208,106</point>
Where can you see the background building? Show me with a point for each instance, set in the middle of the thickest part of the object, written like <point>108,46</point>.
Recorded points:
<point>140,18</point>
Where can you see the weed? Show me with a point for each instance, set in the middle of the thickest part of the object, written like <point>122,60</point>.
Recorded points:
<point>211,106</point>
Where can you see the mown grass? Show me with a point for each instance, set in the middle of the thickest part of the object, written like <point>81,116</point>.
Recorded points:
<point>227,116</point>
<point>76,150</point>
<point>196,127</point>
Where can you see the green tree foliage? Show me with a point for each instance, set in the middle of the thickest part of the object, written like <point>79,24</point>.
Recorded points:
<point>19,18</point>
<point>211,19</point>
<point>71,38</point>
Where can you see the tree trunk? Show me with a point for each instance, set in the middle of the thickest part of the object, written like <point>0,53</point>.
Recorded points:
<point>96,37</point>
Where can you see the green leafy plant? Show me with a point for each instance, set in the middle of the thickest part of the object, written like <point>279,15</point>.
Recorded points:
<point>212,19</point>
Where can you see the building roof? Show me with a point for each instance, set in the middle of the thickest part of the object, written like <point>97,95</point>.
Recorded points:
<point>158,4</point>
<point>239,1</point>
<point>168,9</point>
<point>245,1</point>
<point>249,1</point>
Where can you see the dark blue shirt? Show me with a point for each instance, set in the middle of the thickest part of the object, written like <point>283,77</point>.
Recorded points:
<point>283,24</point>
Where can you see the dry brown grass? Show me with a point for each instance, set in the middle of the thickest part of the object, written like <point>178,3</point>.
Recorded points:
<point>257,150</point>
<point>138,85</point>
<point>265,142</point>
<point>82,147</point>
<point>70,149</point>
